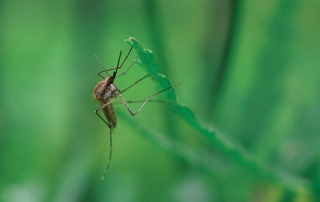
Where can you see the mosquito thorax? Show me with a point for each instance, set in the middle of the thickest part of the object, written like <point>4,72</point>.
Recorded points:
<point>111,92</point>
<point>105,90</point>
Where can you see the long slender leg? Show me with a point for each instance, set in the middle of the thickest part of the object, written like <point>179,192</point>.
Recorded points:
<point>131,112</point>
<point>123,73</point>
<point>141,101</point>
<point>135,83</point>
<point>110,155</point>
<point>134,61</point>
<point>103,119</point>
<point>110,128</point>
<point>110,152</point>
<point>100,108</point>
<point>118,67</point>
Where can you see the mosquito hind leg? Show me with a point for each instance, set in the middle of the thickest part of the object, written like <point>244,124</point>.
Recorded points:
<point>110,155</point>
<point>110,128</point>
<point>97,113</point>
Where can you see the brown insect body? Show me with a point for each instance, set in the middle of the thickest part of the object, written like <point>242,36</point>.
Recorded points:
<point>104,92</point>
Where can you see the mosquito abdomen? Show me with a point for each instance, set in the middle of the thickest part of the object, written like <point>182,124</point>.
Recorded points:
<point>110,114</point>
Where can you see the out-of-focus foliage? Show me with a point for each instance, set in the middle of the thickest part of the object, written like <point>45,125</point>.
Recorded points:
<point>249,72</point>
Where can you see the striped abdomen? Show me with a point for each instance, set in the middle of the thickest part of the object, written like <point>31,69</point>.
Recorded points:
<point>110,114</point>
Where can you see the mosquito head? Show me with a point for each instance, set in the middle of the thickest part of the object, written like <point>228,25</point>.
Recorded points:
<point>113,77</point>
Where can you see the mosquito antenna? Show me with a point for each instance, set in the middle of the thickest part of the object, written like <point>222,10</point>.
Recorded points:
<point>110,155</point>
<point>101,64</point>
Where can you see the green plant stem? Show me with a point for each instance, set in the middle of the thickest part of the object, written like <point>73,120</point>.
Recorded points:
<point>216,140</point>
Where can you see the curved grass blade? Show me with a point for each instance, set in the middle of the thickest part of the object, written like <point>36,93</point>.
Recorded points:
<point>217,140</point>
<point>148,62</point>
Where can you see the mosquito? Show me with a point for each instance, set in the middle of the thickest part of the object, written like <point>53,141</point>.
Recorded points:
<point>105,92</point>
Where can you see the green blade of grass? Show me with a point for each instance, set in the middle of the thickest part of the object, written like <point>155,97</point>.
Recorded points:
<point>147,61</point>
<point>217,140</point>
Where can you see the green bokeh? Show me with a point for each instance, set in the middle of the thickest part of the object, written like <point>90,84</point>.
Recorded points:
<point>249,71</point>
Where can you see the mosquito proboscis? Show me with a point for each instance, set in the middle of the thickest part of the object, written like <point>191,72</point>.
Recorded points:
<point>105,92</point>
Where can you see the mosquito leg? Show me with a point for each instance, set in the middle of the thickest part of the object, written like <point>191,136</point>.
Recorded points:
<point>96,111</point>
<point>141,101</point>
<point>106,70</point>
<point>111,128</point>
<point>131,112</point>
<point>100,108</point>
<point>123,73</point>
<point>134,61</point>
<point>135,83</point>
<point>99,73</point>
<point>110,155</point>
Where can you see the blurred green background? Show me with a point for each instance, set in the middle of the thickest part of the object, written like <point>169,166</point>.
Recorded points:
<point>249,70</point>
